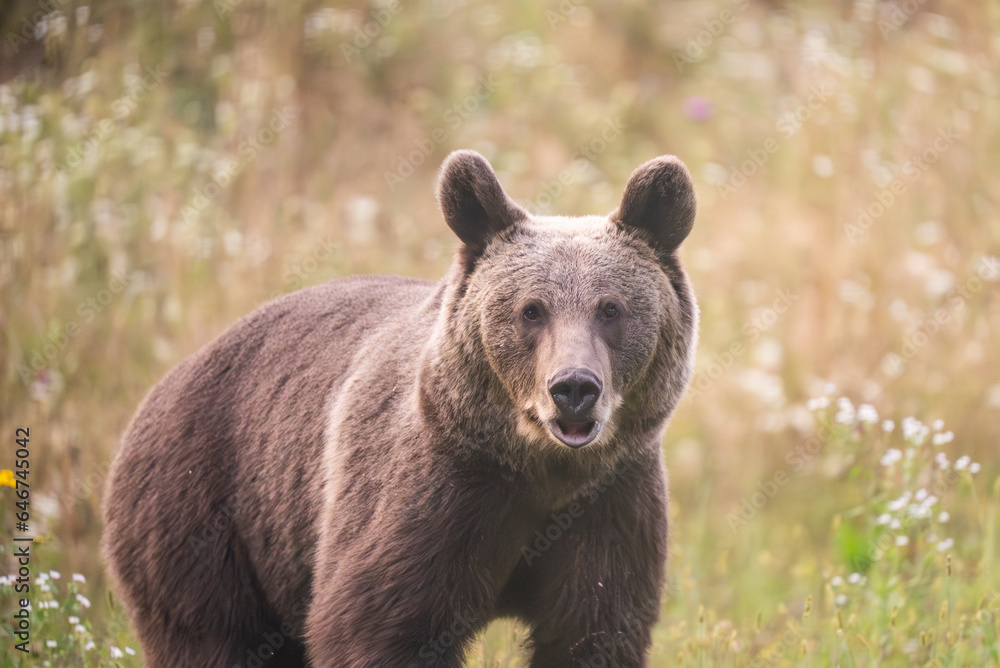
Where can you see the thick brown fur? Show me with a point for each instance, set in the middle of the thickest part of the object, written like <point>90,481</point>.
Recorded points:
<point>365,473</point>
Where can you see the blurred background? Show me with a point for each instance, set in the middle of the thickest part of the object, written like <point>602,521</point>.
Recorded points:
<point>166,167</point>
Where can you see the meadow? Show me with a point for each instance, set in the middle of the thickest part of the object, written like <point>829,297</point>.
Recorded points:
<point>835,486</point>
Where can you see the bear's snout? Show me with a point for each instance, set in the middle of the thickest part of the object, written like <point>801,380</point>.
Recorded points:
<point>575,393</point>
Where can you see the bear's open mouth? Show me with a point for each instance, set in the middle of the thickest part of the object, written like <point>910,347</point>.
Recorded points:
<point>575,434</point>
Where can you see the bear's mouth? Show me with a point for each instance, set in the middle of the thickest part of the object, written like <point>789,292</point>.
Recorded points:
<point>575,434</point>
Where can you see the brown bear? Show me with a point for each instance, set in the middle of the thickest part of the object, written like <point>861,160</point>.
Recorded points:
<point>366,473</point>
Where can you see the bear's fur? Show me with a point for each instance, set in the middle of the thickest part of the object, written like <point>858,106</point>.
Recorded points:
<point>366,472</point>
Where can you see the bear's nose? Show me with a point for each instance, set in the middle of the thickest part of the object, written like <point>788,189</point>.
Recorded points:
<point>575,391</point>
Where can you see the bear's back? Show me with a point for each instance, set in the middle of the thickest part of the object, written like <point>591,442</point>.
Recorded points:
<point>289,351</point>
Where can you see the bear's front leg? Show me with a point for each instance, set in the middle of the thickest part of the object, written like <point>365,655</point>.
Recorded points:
<point>400,610</point>
<point>411,586</point>
<point>591,589</point>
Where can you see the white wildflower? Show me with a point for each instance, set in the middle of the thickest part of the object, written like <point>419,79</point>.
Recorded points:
<point>83,600</point>
<point>962,463</point>
<point>129,651</point>
<point>867,414</point>
<point>116,653</point>
<point>73,619</point>
<point>937,425</point>
<point>51,643</point>
<point>945,545</point>
<point>944,516</point>
<point>914,431</point>
<point>818,403</point>
<point>901,502</point>
<point>902,540</point>
<point>841,600</point>
<point>891,456</point>
<point>920,495</point>
<point>55,575</point>
<point>974,467</point>
<point>854,578</point>
<point>79,628</point>
<point>845,411</point>
<point>943,437</point>
<point>884,518</point>
<point>836,581</point>
<point>89,646</point>
<point>78,577</point>
<point>895,524</point>
<point>942,461</point>
<point>888,426</point>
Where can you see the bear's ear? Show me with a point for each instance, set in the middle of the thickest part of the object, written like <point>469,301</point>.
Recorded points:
<point>473,202</point>
<point>659,201</point>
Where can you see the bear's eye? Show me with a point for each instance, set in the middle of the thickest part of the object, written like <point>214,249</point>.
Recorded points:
<point>532,312</point>
<point>610,311</point>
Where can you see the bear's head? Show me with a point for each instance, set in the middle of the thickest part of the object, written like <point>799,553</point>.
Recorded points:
<point>589,324</point>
